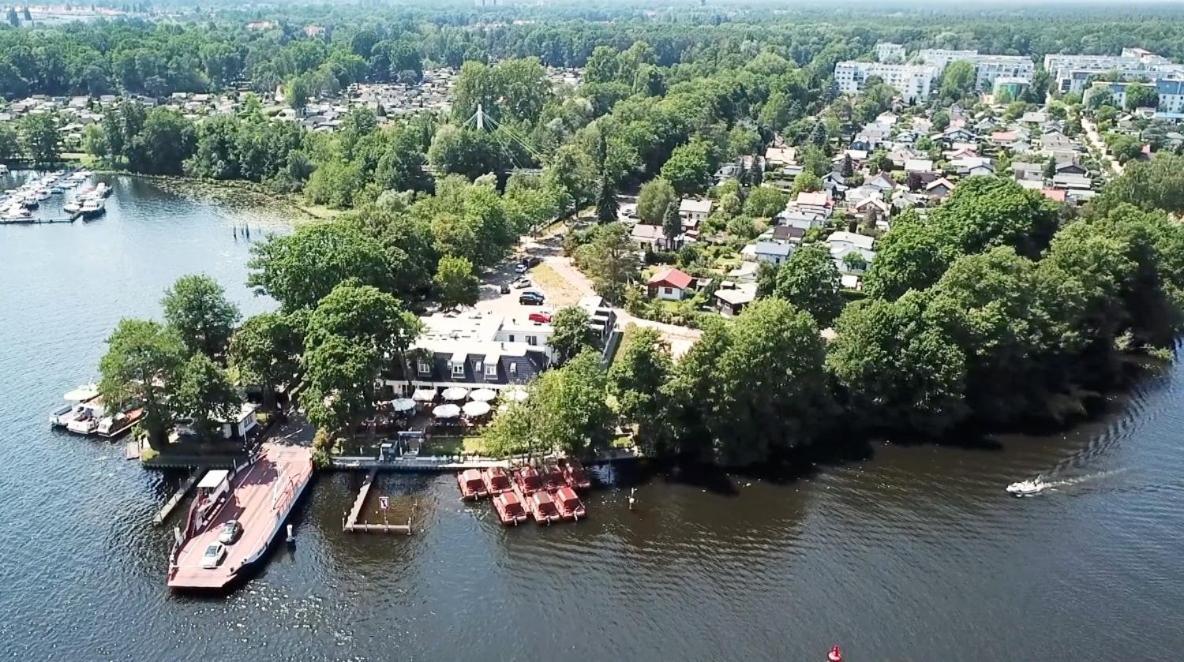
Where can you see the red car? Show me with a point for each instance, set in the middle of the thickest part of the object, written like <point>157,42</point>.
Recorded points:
<point>541,318</point>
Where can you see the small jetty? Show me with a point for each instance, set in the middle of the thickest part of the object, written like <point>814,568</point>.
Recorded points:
<point>259,497</point>
<point>177,497</point>
<point>351,523</point>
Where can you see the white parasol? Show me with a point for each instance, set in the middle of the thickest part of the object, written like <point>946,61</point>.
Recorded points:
<point>403,404</point>
<point>446,411</point>
<point>424,395</point>
<point>483,395</point>
<point>454,393</point>
<point>476,408</point>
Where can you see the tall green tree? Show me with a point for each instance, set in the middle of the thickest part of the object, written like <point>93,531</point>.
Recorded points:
<point>205,394</point>
<point>265,351</point>
<point>654,198</point>
<point>810,280</point>
<point>672,222</point>
<point>456,284</point>
<point>140,369</point>
<point>197,308</point>
<point>301,268</point>
<point>572,333</point>
<point>40,138</point>
<point>610,260</point>
<point>637,380</point>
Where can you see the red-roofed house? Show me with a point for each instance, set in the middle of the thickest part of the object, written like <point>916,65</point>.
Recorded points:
<point>670,284</point>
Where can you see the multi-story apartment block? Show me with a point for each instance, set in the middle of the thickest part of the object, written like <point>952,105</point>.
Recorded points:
<point>986,67</point>
<point>1170,91</point>
<point>913,82</point>
<point>1072,73</point>
<point>889,52</point>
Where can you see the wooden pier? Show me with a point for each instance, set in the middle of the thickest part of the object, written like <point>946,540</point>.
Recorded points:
<point>176,499</point>
<point>350,522</point>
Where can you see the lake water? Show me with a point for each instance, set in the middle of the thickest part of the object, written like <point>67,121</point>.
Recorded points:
<point>916,553</point>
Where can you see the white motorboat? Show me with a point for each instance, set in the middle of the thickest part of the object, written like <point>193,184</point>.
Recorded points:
<point>77,399</point>
<point>92,208</point>
<point>1026,487</point>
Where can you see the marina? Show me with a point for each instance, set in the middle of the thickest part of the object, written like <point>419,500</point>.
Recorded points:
<point>85,201</point>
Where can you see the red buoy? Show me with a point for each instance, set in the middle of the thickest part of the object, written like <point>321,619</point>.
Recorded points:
<point>835,654</point>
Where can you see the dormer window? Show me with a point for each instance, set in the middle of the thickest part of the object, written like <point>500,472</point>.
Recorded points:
<point>424,367</point>
<point>491,370</point>
<point>458,370</point>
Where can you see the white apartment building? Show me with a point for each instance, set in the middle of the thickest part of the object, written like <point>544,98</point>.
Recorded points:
<point>1071,73</point>
<point>888,52</point>
<point>913,82</point>
<point>941,57</point>
<point>986,67</point>
<point>1170,91</point>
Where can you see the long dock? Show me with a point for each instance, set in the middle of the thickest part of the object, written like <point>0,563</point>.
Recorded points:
<point>176,499</point>
<point>351,525</point>
<point>261,498</point>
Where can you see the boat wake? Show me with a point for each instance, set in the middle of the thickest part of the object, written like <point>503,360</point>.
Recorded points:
<point>1039,484</point>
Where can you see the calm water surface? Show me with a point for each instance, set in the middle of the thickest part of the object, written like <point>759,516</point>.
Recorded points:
<point>915,554</point>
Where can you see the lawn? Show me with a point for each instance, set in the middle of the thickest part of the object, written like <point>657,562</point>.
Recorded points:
<point>473,444</point>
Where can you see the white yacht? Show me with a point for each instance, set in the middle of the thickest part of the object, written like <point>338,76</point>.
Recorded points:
<point>1026,487</point>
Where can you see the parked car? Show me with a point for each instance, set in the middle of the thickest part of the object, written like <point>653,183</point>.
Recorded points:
<point>521,283</point>
<point>531,298</point>
<point>230,532</point>
<point>520,268</point>
<point>504,289</point>
<point>531,261</point>
<point>213,555</point>
<point>541,318</point>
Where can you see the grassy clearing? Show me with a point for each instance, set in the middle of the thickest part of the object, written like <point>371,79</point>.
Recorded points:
<point>559,292</point>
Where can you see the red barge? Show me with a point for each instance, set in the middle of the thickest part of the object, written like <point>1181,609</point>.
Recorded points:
<point>259,497</point>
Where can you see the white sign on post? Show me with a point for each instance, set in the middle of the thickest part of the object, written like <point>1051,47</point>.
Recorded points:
<point>383,502</point>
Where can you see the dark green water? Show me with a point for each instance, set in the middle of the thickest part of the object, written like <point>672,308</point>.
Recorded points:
<point>915,554</point>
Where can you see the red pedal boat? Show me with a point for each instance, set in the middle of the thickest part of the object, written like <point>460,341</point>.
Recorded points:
<point>569,504</point>
<point>496,480</point>
<point>528,480</point>
<point>509,508</point>
<point>573,473</point>
<point>552,477</point>
<point>472,485</point>
<point>542,506</point>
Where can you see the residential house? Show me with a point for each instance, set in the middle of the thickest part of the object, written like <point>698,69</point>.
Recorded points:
<point>653,238</point>
<point>768,251</point>
<point>670,285</point>
<point>939,189</point>
<point>918,165</point>
<point>777,157</point>
<point>817,202</point>
<point>842,244</point>
<point>694,211</point>
<point>730,301</point>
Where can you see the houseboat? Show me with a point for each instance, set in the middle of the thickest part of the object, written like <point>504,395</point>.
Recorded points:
<point>509,508</point>
<point>543,508</point>
<point>527,480</point>
<point>569,504</point>
<point>61,417</point>
<point>497,481</point>
<point>472,485</point>
<point>86,418</point>
<point>573,473</point>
